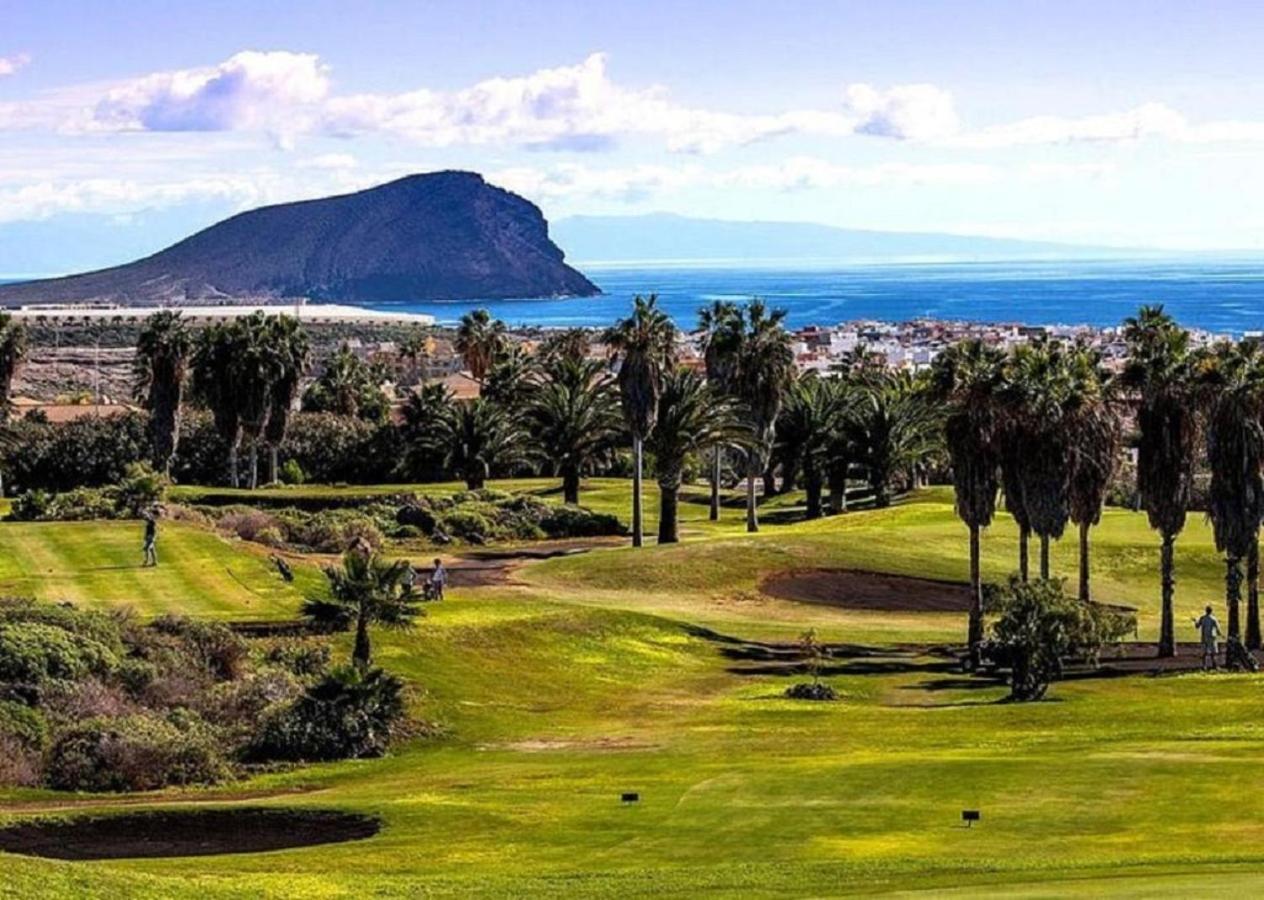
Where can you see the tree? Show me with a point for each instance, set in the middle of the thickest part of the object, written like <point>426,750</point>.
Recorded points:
<point>1232,378</point>
<point>691,419</point>
<point>12,353</point>
<point>1037,627</point>
<point>160,369</point>
<point>1160,376</point>
<point>573,413</point>
<point>480,339</point>
<point>365,590</point>
<point>569,343</point>
<point>509,382</point>
<point>893,428</point>
<point>416,347</point>
<point>480,437</point>
<point>257,366</point>
<point>293,355</point>
<point>349,386</point>
<point>213,383</point>
<point>645,345</point>
<point>763,371</point>
<point>967,378</point>
<point>720,325</point>
<point>809,420</point>
<point>1095,439</point>
<point>424,413</point>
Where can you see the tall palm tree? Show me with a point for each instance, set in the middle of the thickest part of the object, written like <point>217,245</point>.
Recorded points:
<point>480,437</point>
<point>480,339</point>
<point>257,366</point>
<point>1159,374</point>
<point>160,368</point>
<point>509,382</point>
<point>1095,440</point>
<point>213,382</point>
<point>573,413</point>
<point>365,590</point>
<point>349,386</point>
<point>12,353</point>
<point>893,428</point>
<point>720,325</point>
<point>645,344</point>
<point>293,355</point>
<point>425,412</point>
<point>1233,378</point>
<point>763,372</point>
<point>1012,441</point>
<point>692,417</point>
<point>967,378</point>
<point>809,421</point>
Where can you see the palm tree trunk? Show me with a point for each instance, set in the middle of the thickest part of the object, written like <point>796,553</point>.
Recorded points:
<point>1253,595</point>
<point>362,653</point>
<point>975,631</point>
<point>1044,557</point>
<point>1233,595</point>
<point>638,537</point>
<point>570,484</point>
<point>753,470</point>
<point>232,464</point>
<point>1167,625</point>
<point>837,488</point>
<point>273,476</point>
<point>1084,576</point>
<point>812,482</point>
<point>715,483</point>
<point>770,479</point>
<point>1024,556</point>
<point>668,498</point>
<point>254,465</point>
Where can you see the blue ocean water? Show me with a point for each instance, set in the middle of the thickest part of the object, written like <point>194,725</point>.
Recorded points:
<point>1220,295</point>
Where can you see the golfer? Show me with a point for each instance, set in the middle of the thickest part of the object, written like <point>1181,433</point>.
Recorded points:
<point>438,580</point>
<point>151,538</point>
<point>1209,630</point>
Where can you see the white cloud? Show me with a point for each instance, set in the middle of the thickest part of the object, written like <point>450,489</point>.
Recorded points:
<point>10,65</point>
<point>112,195</point>
<point>1151,120</point>
<point>916,112</point>
<point>328,161</point>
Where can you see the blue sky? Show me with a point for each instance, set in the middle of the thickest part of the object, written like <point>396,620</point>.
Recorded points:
<point>1122,123</point>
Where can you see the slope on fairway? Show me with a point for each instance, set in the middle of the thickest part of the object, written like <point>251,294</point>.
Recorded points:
<point>97,564</point>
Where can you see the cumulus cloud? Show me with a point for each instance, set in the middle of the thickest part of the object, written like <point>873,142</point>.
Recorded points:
<point>9,65</point>
<point>1151,120</point>
<point>46,198</point>
<point>907,112</point>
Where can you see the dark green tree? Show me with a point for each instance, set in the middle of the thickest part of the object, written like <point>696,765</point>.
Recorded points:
<point>161,368</point>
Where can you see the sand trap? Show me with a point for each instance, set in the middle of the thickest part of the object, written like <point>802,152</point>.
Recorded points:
<point>853,589</point>
<point>193,832</point>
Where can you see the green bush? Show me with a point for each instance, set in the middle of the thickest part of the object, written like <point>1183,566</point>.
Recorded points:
<point>136,753</point>
<point>23,725</point>
<point>467,525</point>
<point>302,657</point>
<point>32,653</point>
<point>292,472</point>
<point>216,646</point>
<point>576,521</point>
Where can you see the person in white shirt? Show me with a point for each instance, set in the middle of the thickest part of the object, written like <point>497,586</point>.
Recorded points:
<point>438,580</point>
<point>1209,630</point>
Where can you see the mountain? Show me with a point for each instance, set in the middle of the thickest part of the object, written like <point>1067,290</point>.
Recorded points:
<point>666,237</point>
<point>440,236</point>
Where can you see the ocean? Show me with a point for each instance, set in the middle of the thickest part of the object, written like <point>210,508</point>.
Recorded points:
<point>1216,295</point>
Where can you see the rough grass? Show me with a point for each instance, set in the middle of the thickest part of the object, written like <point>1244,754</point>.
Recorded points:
<point>554,697</point>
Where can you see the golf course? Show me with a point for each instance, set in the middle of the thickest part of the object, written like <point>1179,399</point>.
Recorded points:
<point>550,688</point>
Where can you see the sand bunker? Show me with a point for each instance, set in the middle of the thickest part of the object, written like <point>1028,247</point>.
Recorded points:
<point>191,832</point>
<point>853,589</point>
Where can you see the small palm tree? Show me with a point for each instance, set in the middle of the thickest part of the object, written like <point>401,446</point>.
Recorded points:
<point>213,383</point>
<point>293,355</point>
<point>12,353</point>
<point>967,379</point>
<point>720,325</point>
<point>365,590</point>
<point>809,422</point>
<point>161,367</point>
<point>894,427</point>
<point>349,386</point>
<point>573,413</point>
<point>480,437</point>
<point>763,372</point>
<point>510,380</point>
<point>1159,374</point>
<point>645,345</point>
<point>480,339</point>
<point>691,418</point>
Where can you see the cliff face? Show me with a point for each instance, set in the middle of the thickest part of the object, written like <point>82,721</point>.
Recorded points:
<point>442,236</point>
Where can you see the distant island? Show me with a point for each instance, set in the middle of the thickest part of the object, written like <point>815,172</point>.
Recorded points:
<point>665,237</point>
<point>440,236</point>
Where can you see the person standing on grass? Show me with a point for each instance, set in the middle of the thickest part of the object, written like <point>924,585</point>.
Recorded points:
<point>438,580</point>
<point>151,538</point>
<point>1209,629</point>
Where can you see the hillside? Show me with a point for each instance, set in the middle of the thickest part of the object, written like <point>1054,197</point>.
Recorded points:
<point>441,236</point>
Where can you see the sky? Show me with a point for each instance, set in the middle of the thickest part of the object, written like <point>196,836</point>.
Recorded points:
<point>1110,123</point>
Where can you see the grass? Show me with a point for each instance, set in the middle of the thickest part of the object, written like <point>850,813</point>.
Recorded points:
<point>588,678</point>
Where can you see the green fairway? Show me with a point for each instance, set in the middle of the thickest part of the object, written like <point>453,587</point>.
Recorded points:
<point>588,677</point>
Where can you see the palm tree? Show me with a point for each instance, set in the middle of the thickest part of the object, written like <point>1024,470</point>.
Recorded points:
<point>1159,374</point>
<point>645,344</point>
<point>161,366</point>
<point>1012,441</point>
<point>257,366</point>
<point>213,376</point>
<point>809,422</point>
<point>692,417</point>
<point>569,343</point>
<point>509,383</point>
<point>574,417</point>
<point>763,371</point>
<point>416,346</point>
<point>1095,439</point>
<point>480,437</point>
<point>480,339</point>
<point>967,379</point>
<point>12,353</point>
<point>425,412</point>
<point>366,590</point>
<point>1233,378</point>
<point>293,355</point>
<point>721,328</point>
<point>348,386</point>
<point>893,428</point>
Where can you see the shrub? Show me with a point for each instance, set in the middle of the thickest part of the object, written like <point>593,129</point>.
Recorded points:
<point>248,523</point>
<point>33,652</point>
<point>304,658</point>
<point>136,753</point>
<point>577,521</point>
<point>347,714</point>
<point>216,646</point>
<point>140,488</point>
<point>292,472</point>
<point>467,525</point>
<point>23,726</point>
<point>20,766</point>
